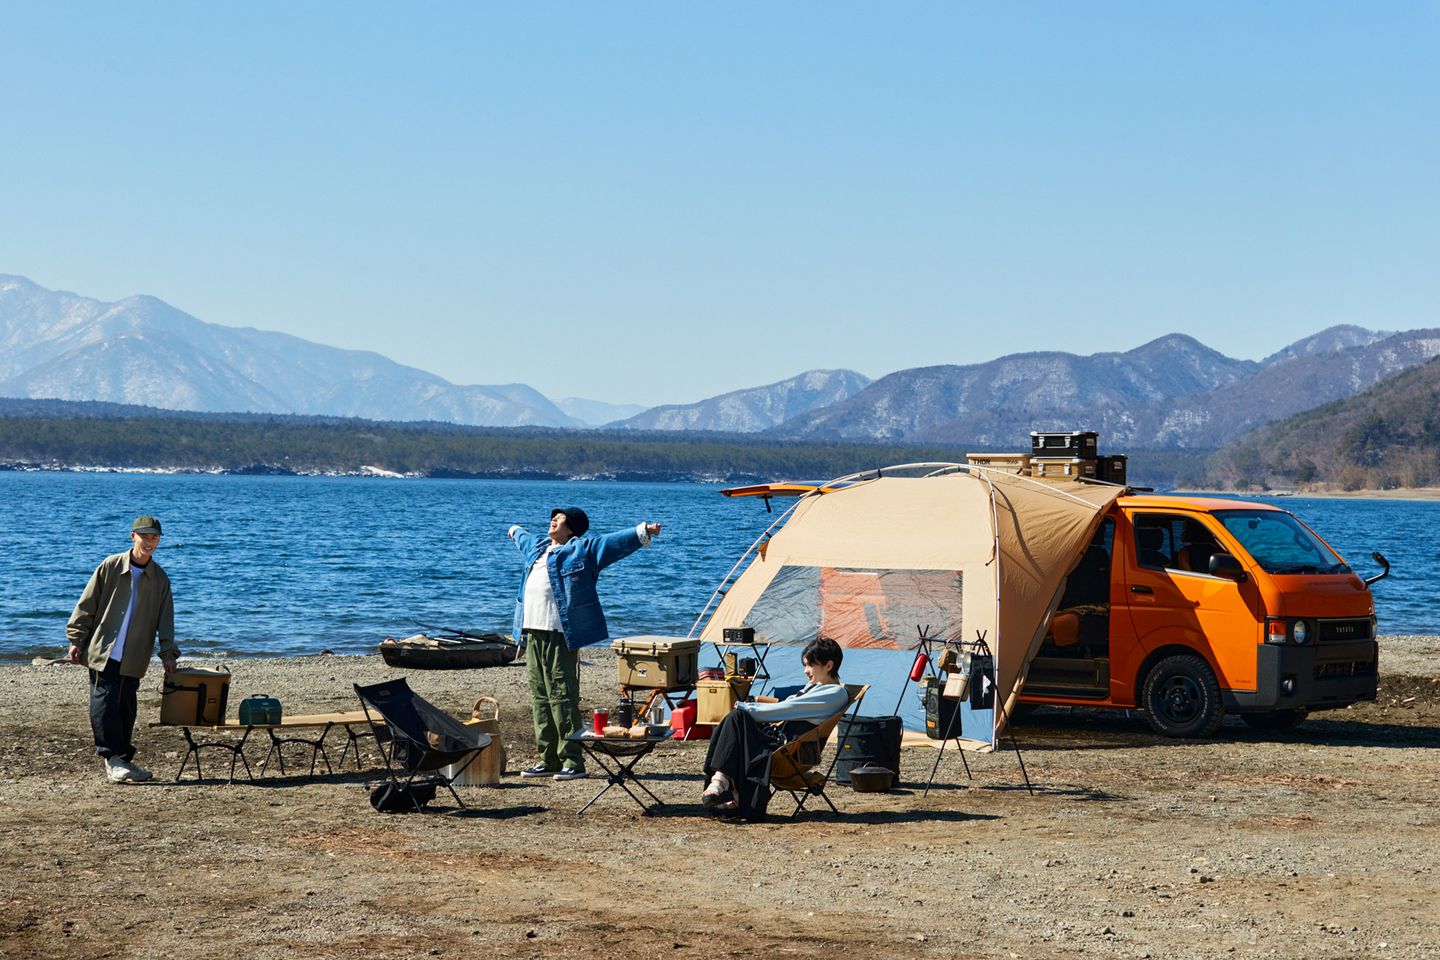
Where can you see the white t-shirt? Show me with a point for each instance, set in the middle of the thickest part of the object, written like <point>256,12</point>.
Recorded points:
<point>541,610</point>
<point>136,572</point>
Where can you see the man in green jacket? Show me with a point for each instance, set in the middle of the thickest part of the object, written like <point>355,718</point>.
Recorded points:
<point>125,607</point>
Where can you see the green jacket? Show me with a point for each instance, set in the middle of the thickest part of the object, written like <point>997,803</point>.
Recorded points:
<point>95,624</point>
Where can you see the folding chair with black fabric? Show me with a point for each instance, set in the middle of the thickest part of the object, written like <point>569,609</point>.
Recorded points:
<point>423,738</point>
<point>792,765</point>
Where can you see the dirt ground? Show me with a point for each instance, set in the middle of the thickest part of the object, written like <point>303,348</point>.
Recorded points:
<point>1318,843</point>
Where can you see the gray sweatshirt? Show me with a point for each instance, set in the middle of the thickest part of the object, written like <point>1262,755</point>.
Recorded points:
<point>817,702</point>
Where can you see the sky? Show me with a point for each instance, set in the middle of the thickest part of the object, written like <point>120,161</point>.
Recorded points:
<point>659,202</point>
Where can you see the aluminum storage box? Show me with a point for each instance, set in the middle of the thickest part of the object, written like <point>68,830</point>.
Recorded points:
<point>1016,463</point>
<point>1084,444</point>
<point>660,663</point>
<point>1063,468</point>
<point>1112,468</point>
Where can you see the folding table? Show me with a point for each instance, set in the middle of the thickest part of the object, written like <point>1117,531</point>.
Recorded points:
<point>617,756</point>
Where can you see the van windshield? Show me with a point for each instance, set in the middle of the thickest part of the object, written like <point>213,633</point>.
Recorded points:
<point>1280,543</point>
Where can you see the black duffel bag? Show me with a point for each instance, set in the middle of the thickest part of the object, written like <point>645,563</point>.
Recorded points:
<point>392,797</point>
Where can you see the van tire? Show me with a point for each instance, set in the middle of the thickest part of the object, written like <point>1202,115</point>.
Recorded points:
<point>1181,697</point>
<point>1276,720</point>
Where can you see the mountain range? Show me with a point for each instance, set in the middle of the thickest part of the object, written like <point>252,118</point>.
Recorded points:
<point>1172,393</point>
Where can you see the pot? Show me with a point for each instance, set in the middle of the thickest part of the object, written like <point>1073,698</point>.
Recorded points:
<point>871,778</point>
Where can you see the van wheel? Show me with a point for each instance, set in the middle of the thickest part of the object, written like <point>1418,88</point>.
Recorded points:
<point>1181,697</point>
<point>1276,720</point>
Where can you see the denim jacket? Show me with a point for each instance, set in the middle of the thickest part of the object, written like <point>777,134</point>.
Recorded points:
<point>574,568</point>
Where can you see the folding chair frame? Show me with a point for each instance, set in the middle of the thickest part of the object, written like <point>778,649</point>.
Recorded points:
<point>395,735</point>
<point>814,785</point>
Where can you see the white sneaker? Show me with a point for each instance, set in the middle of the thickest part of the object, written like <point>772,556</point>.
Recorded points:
<point>116,770</point>
<point>138,774</point>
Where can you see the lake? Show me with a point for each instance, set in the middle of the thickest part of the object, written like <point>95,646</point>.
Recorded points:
<point>277,566</point>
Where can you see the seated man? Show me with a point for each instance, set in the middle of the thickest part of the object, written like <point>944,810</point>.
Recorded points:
<point>738,761</point>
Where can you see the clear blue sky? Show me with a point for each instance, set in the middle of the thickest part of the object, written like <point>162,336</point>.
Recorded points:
<point>660,202</point>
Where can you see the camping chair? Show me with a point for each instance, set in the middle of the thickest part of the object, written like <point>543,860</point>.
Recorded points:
<point>792,765</point>
<point>423,738</point>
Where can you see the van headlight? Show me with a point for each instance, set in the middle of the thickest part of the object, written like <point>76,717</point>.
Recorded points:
<point>1287,630</point>
<point>1299,632</point>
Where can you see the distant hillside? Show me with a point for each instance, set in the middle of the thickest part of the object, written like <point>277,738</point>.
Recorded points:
<point>595,413</point>
<point>1384,438</point>
<point>142,350</point>
<point>754,408</point>
<point>1172,393</point>
<point>1000,402</point>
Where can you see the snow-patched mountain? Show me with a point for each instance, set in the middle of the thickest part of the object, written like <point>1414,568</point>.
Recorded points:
<point>141,350</point>
<point>754,408</point>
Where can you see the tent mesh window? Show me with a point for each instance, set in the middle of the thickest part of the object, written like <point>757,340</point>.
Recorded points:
<point>856,607</point>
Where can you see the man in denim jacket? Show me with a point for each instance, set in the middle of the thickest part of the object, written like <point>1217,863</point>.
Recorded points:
<point>557,611</point>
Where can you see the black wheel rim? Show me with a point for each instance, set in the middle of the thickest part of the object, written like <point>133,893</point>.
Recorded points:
<point>1181,700</point>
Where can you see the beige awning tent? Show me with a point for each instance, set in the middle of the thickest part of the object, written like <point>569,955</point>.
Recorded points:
<point>965,552</point>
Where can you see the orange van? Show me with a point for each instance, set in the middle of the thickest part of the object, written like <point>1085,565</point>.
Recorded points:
<point>1187,609</point>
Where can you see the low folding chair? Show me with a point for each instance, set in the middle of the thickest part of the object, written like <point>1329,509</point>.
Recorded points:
<point>423,738</point>
<point>792,765</point>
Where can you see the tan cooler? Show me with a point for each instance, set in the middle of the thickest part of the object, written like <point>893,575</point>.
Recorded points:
<point>714,699</point>
<point>194,697</point>
<point>660,663</point>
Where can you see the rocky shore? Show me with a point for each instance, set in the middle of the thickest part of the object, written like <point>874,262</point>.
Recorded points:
<point>1321,842</point>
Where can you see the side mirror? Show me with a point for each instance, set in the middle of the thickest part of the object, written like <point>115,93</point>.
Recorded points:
<point>1227,566</point>
<point>1379,558</point>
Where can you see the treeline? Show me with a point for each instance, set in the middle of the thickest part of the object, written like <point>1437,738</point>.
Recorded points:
<point>276,445</point>
<point>1383,439</point>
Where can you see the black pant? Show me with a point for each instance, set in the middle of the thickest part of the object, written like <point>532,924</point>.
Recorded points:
<point>112,711</point>
<point>740,747</point>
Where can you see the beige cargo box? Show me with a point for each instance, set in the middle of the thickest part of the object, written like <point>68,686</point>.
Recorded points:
<point>660,663</point>
<point>1062,468</point>
<point>1016,463</point>
<point>194,697</point>
<point>714,699</point>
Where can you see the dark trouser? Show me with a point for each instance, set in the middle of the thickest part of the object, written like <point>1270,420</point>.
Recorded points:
<point>740,748</point>
<point>112,711</point>
<point>553,670</point>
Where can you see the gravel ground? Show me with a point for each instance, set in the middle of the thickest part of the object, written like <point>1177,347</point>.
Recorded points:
<point>1317,843</point>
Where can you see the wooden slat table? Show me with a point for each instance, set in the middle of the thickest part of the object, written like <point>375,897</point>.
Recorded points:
<point>324,722</point>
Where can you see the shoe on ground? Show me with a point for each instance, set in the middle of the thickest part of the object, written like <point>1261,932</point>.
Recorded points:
<point>116,770</point>
<point>539,770</point>
<point>139,774</point>
<point>717,797</point>
<point>571,773</point>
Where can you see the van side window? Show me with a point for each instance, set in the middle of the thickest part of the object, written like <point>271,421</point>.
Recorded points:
<point>1089,582</point>
<point>1173,542</point>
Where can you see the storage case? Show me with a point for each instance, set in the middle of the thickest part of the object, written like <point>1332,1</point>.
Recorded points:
<point>1063,468</point>
<point>194,696</point>
<point>1083,444</point>
<point>660,663</point>
<point>715,699</point>
<point>1016,463</point>
<point>939,711</point>
<point>260,710</point>
<point>1112,468</point>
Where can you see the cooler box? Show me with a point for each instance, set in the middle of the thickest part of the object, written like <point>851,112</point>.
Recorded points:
<point>714,699</point>
<point>661,663</point>
<point>1062,468</point>
<point>194,696</point>
<point>1016,463</point>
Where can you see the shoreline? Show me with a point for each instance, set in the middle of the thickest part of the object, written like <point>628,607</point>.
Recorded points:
<point>1415,494</point>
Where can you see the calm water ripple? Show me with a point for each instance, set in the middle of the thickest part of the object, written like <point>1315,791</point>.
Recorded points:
<point>273,566</point>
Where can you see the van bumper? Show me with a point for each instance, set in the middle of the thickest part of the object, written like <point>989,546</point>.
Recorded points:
<point>1320,677</point>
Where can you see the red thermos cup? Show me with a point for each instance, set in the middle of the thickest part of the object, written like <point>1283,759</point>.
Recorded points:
<point>602,717</point>
<point>918,670</point>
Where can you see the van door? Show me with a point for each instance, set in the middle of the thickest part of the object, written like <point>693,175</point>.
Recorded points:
<point>1076,665</point>
<point>1173,599</point>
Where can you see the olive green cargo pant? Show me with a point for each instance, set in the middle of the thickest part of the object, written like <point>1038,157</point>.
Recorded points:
<point>553,670</point>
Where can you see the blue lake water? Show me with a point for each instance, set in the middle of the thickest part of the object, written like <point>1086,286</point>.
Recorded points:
<point>270,566</point>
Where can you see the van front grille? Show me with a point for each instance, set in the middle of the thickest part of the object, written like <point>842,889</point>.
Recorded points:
<point>1337,669</point>
<point>1354,628</point>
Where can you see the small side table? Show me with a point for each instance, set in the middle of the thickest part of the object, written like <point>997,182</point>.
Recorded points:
<point>617,756</point>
